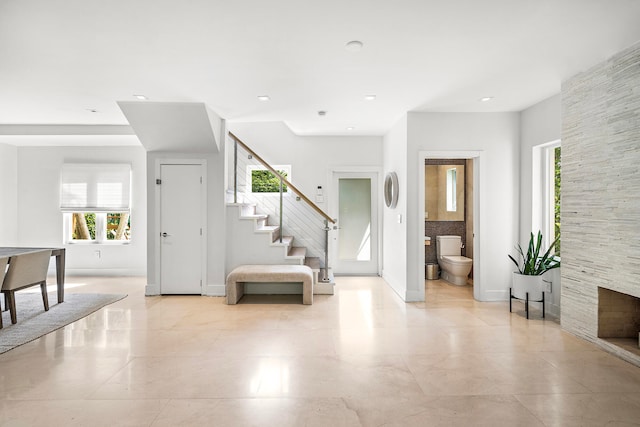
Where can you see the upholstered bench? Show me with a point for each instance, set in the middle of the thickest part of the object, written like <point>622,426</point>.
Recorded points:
<point>269,274</point>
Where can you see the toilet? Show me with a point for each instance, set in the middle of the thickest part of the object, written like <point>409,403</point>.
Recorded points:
<point>455,268</point>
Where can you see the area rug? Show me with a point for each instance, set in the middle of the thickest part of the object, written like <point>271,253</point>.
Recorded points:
<point>34,322</point>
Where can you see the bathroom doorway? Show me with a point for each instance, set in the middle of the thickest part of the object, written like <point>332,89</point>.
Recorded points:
<point>449,201</point>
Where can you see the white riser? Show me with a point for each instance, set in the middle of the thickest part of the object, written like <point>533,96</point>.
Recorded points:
<point>246,245</point>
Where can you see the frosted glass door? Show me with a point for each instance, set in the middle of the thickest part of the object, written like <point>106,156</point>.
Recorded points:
<point>356,241</point>
<point>355,219</point>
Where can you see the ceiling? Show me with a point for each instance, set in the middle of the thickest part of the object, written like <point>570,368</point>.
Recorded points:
<point>67,62</point>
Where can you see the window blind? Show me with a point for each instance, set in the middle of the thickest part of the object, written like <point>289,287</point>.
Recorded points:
<point>95,187</point>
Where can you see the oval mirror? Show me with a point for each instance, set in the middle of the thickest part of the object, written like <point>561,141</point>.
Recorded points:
<point>391,190</point>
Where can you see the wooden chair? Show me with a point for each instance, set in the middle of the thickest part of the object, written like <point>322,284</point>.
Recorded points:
<point>24,271</point>
<point>3,270</point>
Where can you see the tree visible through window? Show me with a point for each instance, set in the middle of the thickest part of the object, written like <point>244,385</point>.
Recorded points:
<point>118,226</point>
<point>92,226</point>
<point>83,226</point>
<point>264,181</point>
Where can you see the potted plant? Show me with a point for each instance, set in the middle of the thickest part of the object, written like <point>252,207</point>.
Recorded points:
<point>527,281</point>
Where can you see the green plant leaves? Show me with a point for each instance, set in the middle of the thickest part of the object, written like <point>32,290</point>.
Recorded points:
<point>532,264</point>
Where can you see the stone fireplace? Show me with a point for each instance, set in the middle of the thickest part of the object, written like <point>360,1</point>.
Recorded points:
<point>601,204</point>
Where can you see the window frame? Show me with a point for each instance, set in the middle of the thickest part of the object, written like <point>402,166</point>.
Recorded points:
<point>101,230</point>
<point>249,177</point>
<point>543,203</point>
<point>94,188</point>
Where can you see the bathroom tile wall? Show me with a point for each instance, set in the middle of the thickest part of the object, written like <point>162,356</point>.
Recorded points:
<point>442,228</point>
<point>600,191</point>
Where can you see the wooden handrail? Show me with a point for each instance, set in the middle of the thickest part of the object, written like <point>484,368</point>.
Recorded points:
<point>289,185</point>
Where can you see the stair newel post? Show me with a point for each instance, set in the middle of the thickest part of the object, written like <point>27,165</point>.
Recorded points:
<point>325,274</point>
<point>235,170</point>
<point>281,230</point>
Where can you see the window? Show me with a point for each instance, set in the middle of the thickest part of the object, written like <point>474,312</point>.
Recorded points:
<point>95,201</point>
<point>451,190</point>
<point>98,227</point>
<point>546,192</point>
<point>557,166</point>
<point>264,181</point>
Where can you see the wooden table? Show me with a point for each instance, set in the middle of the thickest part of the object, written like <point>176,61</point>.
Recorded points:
<point>57,252</point>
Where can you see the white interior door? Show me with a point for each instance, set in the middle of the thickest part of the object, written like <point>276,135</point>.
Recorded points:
<point>181,226</point>
<point>355,243</point>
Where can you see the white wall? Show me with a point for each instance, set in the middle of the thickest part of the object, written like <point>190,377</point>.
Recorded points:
<point>8,195</point>
<point>40,219</point>
<point>394,233</point>
<point>539,124</point>
<point>496,137</point>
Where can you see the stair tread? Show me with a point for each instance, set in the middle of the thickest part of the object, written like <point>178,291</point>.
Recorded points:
<point>254,216</point>
<point>286,241</point>
<point>240,204</point>
<point>313,263</point>
<point>297,251</point>
<point>268,228</point>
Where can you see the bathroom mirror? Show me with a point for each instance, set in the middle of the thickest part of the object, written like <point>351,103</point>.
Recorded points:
<point>444,192</point>
<point>391,190</point>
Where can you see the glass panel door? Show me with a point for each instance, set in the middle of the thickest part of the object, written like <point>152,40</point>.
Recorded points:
<point>355,219</point>
<point>355,249</point>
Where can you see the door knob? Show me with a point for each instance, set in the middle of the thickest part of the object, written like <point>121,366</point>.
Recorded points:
<point>165,234</point>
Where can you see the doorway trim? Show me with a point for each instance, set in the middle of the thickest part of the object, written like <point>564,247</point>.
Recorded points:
<point>333,197</point>
<point>476,156</point>
<point>156,218</point>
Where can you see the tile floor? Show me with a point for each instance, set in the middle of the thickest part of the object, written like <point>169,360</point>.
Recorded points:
<point>361,357</point>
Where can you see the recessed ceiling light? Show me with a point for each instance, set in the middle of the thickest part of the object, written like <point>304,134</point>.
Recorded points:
<point>370,97</point>
<point>354,45</point>
<point>322,113</point>
<point>141,97</point>
<point>486,99</point>
<point>350,128</point>
<point>263,98</point>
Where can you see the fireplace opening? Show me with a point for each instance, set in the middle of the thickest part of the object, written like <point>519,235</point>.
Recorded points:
<point>619,319</point>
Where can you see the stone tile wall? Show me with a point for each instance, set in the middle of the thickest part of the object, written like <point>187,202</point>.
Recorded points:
<point>442,228</point>
<point>600,190</point>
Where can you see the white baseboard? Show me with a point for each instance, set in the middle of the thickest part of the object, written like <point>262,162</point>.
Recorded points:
<point>214,290</point>
<point>496,295</point>
<point>414,296</point>
<point>393,285</point>
<point>151,289</point>
<point>100,271</point>
<point>552,309</point>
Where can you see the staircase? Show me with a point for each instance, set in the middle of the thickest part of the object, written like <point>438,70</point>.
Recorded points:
<point>258,242</point>
<point>255,240</point>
